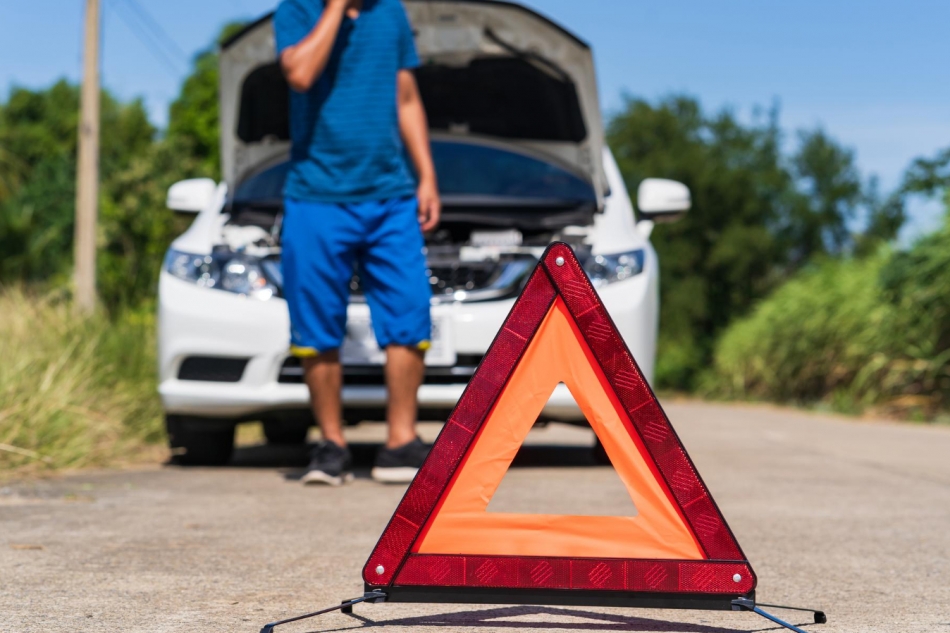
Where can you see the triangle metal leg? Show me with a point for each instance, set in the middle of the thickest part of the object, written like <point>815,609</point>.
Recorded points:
<point>769,616</point>
<point>346,607</point>
<point>750,605</point>
<point>820,617</point>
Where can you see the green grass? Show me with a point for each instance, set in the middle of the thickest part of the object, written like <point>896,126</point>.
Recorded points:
<point>74,392</point>
<point>847,335</point>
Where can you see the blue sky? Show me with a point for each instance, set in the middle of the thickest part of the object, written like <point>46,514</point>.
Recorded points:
<point>875,74</point>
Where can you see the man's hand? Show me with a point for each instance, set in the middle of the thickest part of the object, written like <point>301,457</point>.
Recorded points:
<point>430,206</point>
<point>347,5</point>
<point>304,62</point>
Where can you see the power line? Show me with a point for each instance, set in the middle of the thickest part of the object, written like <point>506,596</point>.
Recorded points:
<point>150,41</point>
<point>157,29</point>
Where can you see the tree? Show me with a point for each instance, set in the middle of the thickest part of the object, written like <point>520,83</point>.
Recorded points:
<point>193,116</point>
<point>929,175</point>
<point>36,223</point>
<point>722,255</point>
<point>827,197</point>
<point>38,133</point>
<point>11,170</point>
<point>885,215</point>
<point>135,225</point>
<point>37,184</point>
<point>757,216</point>
<point>918,279</point>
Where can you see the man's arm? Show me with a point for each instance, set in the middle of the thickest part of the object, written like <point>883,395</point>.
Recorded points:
<point>304,62</point>
<point>415,134</point>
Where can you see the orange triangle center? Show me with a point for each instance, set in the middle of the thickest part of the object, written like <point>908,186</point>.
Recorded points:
<point>461,524</point>
<point>523,492</point>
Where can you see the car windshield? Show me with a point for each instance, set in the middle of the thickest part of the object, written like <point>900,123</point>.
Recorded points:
<point>464,169</point>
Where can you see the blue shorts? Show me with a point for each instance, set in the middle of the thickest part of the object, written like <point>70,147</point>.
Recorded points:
<point>322,245</point>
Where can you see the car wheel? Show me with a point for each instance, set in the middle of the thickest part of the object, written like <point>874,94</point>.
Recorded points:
<point>286,433</point>
<point>199,442</point>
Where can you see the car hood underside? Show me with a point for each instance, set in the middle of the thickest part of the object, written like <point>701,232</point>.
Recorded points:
<point>492,70</point>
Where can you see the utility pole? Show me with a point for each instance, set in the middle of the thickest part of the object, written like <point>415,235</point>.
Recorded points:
<point>87,174</point>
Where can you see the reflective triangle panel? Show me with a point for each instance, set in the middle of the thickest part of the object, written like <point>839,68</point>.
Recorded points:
<point>441,534</point>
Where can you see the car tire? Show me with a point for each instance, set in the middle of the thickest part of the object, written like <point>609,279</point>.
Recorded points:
<point>599,454</point>
<point>199,442</point>
<point>284,433</point>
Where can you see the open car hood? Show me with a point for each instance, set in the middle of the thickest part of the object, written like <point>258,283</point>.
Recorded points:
<point>493,70</point>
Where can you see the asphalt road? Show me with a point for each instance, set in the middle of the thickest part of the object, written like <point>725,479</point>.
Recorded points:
<point>852,517</point>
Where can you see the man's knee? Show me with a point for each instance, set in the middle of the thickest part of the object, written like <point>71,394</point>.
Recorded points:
<point>406,351</point>
<point>331,357</point>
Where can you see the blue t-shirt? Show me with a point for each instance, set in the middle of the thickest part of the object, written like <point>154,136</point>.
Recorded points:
<point>346,145</point>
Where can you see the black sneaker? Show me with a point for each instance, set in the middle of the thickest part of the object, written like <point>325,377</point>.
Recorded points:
<point>399,465</point>
<point>329,464</point>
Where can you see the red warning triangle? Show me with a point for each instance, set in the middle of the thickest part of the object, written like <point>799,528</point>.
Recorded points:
<point>442,535</point>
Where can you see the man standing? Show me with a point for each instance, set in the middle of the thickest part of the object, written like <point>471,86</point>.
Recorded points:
<point>351,199</point>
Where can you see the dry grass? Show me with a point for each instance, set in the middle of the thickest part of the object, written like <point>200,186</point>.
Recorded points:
<point>74,392</point>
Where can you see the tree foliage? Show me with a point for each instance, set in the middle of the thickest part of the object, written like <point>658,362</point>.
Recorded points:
<point>136,227</point>
<point>757,217</point>
<point>854,332</point>
<point>193,116</point>
<point>38,128</point>
<point>850,333</point>
<point>929,175</point>
<point>38,141</point>
<point>829,188</point>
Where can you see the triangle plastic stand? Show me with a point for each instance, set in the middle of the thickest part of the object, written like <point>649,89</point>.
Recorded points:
<point>437,548</point>
<point>442,545</point>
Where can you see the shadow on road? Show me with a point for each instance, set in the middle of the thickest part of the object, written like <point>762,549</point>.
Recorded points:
<point>505,618</point>
<point>293,459</point>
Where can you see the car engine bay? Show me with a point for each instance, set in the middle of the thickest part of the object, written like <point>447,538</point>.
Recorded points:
<point>466,262</point>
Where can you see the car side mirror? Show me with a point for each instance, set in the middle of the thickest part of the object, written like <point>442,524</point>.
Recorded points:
<point>191,196</point>
<point>662,200</point>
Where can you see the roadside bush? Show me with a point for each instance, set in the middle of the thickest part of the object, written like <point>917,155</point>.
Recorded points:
<point>74,392</point>
<point>849,333</point>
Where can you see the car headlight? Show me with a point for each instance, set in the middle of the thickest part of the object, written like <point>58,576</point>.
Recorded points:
<point>607,269</point>
<point>232,272</point>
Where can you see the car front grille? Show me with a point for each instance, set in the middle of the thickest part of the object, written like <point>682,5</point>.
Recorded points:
<point>447,280</point>
<point>291,372</point>
<point>450,279</point>
<point>454,280</point>
<point>212,369</point>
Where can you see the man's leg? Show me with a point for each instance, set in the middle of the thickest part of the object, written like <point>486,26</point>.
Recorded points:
<point>324,377</point>
<point>319,246</point>
<point>405,367</point>
<point>401,458</point>
<point>393,271</point>
<point>330,460</point>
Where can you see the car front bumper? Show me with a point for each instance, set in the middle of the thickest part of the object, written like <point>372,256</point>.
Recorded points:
<point>235,401</point>
<point>195,321</point>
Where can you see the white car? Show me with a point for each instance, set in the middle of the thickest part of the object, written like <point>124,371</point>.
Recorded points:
<point>519,148</point>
